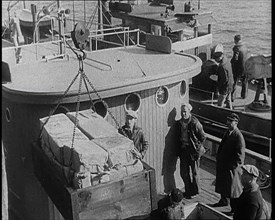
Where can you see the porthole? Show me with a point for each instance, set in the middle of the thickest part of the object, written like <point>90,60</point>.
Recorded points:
<point>100,108</point>
<point>132,102</point>
<point>8,115</point>
<point>162,95</point>
<point>183,88</point>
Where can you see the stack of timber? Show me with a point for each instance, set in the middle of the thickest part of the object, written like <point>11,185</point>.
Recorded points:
<point>99,175</point>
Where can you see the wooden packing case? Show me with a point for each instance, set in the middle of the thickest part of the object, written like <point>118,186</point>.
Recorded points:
<point>134,195</point>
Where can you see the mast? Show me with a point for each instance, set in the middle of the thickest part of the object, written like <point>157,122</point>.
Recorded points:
<point>59,29</point>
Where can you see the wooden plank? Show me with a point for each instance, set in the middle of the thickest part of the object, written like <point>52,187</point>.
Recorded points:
<point>45,172</point>
<point>153,189</point>
<point>120,199</point>
<point>206,212</point>
<point>192,43</point>
<point>248,122</point>
<point>104,194</point>
<point>120,209</point>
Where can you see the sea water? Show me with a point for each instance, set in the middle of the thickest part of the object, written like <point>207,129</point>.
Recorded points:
<point>250,18</point>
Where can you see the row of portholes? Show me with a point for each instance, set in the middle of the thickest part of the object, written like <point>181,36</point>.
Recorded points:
<point>132,101</point>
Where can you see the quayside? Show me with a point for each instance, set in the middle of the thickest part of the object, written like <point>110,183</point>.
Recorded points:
<point>150,79</point>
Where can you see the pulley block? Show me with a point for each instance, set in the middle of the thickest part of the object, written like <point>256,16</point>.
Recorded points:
<point>80,36</point>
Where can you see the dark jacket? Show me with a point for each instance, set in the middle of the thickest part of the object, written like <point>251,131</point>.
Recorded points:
<point>240,55</point>
<point>137,136</point>
<point>230,156</point>
<point>225,77</point>
<point>250,204</point>
<point>196,136</point>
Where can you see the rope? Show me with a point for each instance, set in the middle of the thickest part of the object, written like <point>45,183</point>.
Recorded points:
<point>92,17</point>
<point>77,106</point>
<point>59,101</point>
<point>263,180</point>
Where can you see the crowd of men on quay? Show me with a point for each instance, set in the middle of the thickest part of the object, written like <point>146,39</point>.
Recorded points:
<point>235,181</point>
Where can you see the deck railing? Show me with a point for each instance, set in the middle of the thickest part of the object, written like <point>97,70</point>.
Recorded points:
<point>123,38</point>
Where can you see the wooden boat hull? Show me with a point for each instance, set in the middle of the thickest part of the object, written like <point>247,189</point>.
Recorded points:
<point>26,23</point>
<point>256,130</point>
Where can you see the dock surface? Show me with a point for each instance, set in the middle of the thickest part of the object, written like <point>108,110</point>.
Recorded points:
<point>208,195</point>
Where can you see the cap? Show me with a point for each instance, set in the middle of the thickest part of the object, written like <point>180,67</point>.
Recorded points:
<point>131,113</point>
<point>233,117</point>
<point>251,169</point>
<point>237,37</point>
<point>218,48</point>
<point>176,195</point>
<point>187,105</point>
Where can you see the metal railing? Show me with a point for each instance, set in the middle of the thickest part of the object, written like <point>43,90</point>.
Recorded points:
<point>36,48</point>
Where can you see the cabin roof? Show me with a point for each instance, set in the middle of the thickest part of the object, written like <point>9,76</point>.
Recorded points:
<point>119,69</point>
<point>154,14</point>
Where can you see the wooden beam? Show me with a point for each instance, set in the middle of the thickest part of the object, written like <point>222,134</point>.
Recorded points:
<point>192,43</point>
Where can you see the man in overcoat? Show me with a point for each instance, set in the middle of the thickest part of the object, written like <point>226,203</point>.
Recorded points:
<point>230,157</point>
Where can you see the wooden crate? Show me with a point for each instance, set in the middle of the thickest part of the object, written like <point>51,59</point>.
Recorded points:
<point>134,195</point>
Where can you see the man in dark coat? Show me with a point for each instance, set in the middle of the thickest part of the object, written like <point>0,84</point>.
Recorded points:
<point>192,136</point>
<point>250,204</point>
<point>230,157</point>
<point>240,55</point>
<point>225,77</point>
<point>134,133</point>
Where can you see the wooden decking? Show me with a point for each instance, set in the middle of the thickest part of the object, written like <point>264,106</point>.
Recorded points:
<point>208,195</point>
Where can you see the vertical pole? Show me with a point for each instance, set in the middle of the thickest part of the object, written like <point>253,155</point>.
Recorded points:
<point>195,36</point>
<point>106,19</point>
<point>199,4</point>
<point>59,29</point>
<point>24,4</point>
<point>270,145</point>
<point>209,28</point>
<point>212,98</point>
<point>34,19</point>
<point>100,15</point>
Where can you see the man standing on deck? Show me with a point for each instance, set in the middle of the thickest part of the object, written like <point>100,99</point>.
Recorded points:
<point>240,55</point>
<point>192,136</point>
<point>250,205</point>
<point>225,77</point>
<point>134,133</point>
<point>230,157</point>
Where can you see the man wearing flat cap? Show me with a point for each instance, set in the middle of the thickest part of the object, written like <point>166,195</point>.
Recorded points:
<point>230,157</point>
<point>250,205</point>
<point>134,133</point>
<point>225,77</point>
<point>240,55</point>
<point>191,138</point>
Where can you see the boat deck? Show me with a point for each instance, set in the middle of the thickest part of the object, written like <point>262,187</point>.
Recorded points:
<point>239,104</point>
<point>208,195</point>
